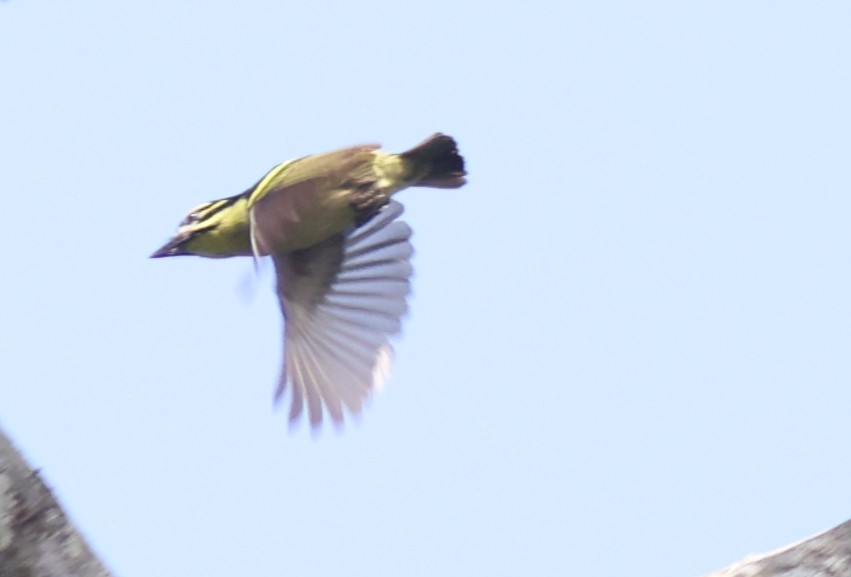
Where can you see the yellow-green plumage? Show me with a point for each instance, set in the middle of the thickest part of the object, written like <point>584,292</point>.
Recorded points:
<point>217,229</point>
<point>341,257</point>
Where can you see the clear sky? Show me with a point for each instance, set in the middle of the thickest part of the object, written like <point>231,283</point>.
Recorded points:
<point>628,345</point>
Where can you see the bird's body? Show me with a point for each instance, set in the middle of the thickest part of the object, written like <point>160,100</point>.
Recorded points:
<point>341,258</point>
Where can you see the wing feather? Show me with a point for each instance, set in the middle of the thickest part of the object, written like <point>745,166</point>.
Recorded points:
<point>342,300</point>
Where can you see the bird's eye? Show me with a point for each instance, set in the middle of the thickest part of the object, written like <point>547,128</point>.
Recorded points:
<point>190,218</point>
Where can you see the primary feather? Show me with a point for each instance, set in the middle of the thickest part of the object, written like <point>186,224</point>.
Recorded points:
<point>342,300</point>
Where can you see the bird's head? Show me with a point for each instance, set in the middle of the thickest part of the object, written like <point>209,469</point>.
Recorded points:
<point>214,229</point>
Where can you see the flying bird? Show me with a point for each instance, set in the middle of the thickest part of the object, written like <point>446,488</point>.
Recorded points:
<point>341,256</point>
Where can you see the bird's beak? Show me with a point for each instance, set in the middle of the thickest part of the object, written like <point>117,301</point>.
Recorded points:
<point>171,248</point>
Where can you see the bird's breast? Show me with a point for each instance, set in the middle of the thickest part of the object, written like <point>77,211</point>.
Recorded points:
<point>301,217</point>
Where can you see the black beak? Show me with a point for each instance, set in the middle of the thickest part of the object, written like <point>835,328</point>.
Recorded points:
<point>171,248</point>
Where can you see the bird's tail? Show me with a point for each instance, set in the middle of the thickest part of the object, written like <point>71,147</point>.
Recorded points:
<point>438,161</point>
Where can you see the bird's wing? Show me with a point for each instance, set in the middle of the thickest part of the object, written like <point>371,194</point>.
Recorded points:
<point>342,300</point>
<point>291,190</point>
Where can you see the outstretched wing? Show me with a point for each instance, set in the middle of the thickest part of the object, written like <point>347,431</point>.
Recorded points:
<point>342,300</point>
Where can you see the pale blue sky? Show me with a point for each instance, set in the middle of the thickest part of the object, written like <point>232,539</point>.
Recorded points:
<point>628,345</point>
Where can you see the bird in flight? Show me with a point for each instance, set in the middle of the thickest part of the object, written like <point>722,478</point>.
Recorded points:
<point>341,256</point>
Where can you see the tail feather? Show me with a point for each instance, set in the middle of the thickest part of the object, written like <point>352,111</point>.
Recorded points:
<point>438,162</point>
